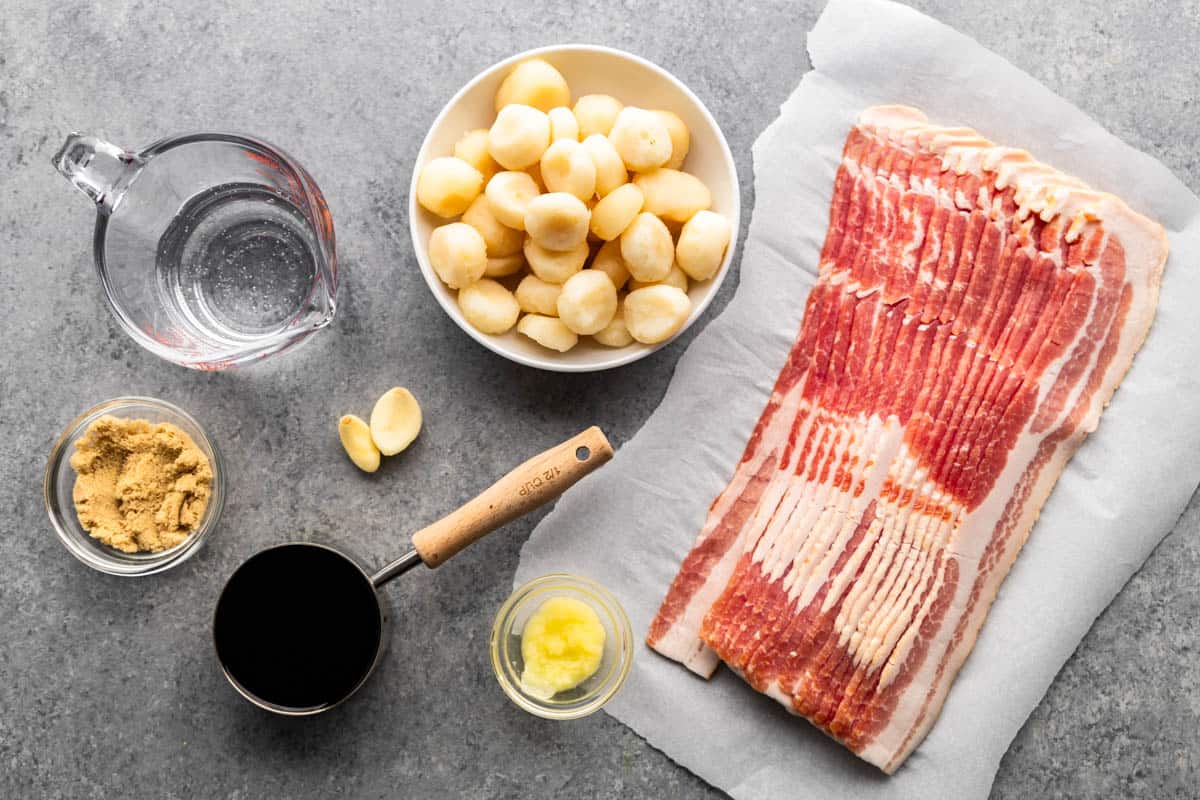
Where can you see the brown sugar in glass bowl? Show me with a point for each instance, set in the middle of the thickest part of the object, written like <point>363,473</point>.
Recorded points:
<point>165,519</point>
<point>140,486</point>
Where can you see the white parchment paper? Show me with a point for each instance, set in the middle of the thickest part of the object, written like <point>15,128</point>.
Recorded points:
<point>630,524</point>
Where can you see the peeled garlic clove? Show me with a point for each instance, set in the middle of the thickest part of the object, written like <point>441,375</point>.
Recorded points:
<point>395,422</point>
<point>357,441</point>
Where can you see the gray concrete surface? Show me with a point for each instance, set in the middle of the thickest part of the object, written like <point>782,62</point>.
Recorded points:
<point>109,688</point>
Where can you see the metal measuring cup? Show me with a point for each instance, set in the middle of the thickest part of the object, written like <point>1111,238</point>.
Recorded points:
<point>300,627</point>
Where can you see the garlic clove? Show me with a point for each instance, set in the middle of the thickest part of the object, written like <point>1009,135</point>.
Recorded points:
<point>395,421</point>
<point>357,441</point>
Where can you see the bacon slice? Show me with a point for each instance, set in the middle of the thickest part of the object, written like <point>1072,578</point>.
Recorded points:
<point>974,312</point>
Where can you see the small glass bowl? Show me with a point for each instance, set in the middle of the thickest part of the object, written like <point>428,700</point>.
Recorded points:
<point>615,663</point>
<point>59,485</point>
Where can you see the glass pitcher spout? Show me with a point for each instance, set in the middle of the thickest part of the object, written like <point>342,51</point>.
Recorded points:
<point>97,168</point>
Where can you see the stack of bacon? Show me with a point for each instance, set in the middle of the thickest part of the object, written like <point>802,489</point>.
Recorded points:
<point>973,314</point>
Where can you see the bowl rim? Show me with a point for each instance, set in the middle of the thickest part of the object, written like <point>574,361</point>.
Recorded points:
<point>624,628</point>
<point>549,362</point>
<point>154,562</point>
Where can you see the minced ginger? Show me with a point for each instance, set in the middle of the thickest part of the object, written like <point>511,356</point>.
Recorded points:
<point>562,646</point>
<point>139,485</point>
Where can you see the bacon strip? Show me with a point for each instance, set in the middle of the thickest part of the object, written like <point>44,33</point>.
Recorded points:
<point>974,312</point>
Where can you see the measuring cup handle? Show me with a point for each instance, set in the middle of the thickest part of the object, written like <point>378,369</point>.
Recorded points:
<point>97,168</point>
<point>536,482</point>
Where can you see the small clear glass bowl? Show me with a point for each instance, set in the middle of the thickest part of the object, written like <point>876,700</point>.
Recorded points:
<point>59,485</point>
<point>594,692</point>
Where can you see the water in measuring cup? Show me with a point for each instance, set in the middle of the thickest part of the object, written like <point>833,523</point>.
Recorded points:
<point>237,263</point>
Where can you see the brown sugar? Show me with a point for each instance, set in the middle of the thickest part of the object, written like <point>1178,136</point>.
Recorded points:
<point>139,485</point>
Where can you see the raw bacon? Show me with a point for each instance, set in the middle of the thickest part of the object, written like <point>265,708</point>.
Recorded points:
<point>973,314</point>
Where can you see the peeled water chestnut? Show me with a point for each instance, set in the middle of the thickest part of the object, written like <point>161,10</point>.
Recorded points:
<point>572,217</point>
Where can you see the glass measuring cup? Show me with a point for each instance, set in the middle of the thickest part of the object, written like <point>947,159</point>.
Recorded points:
<point>214,250</point>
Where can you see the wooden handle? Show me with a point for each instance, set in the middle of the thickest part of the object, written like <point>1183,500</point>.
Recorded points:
<point>536,482</point>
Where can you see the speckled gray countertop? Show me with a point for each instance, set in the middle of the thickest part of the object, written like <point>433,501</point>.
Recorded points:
<point>109,688</point>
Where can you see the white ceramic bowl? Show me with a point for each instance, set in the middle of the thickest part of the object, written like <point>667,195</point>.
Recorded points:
<point>589,69</point>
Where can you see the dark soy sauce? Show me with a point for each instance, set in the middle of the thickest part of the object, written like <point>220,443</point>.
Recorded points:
<point>298,626</point>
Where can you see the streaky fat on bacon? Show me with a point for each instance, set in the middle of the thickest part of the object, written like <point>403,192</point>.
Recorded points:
<point>974,312</point>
